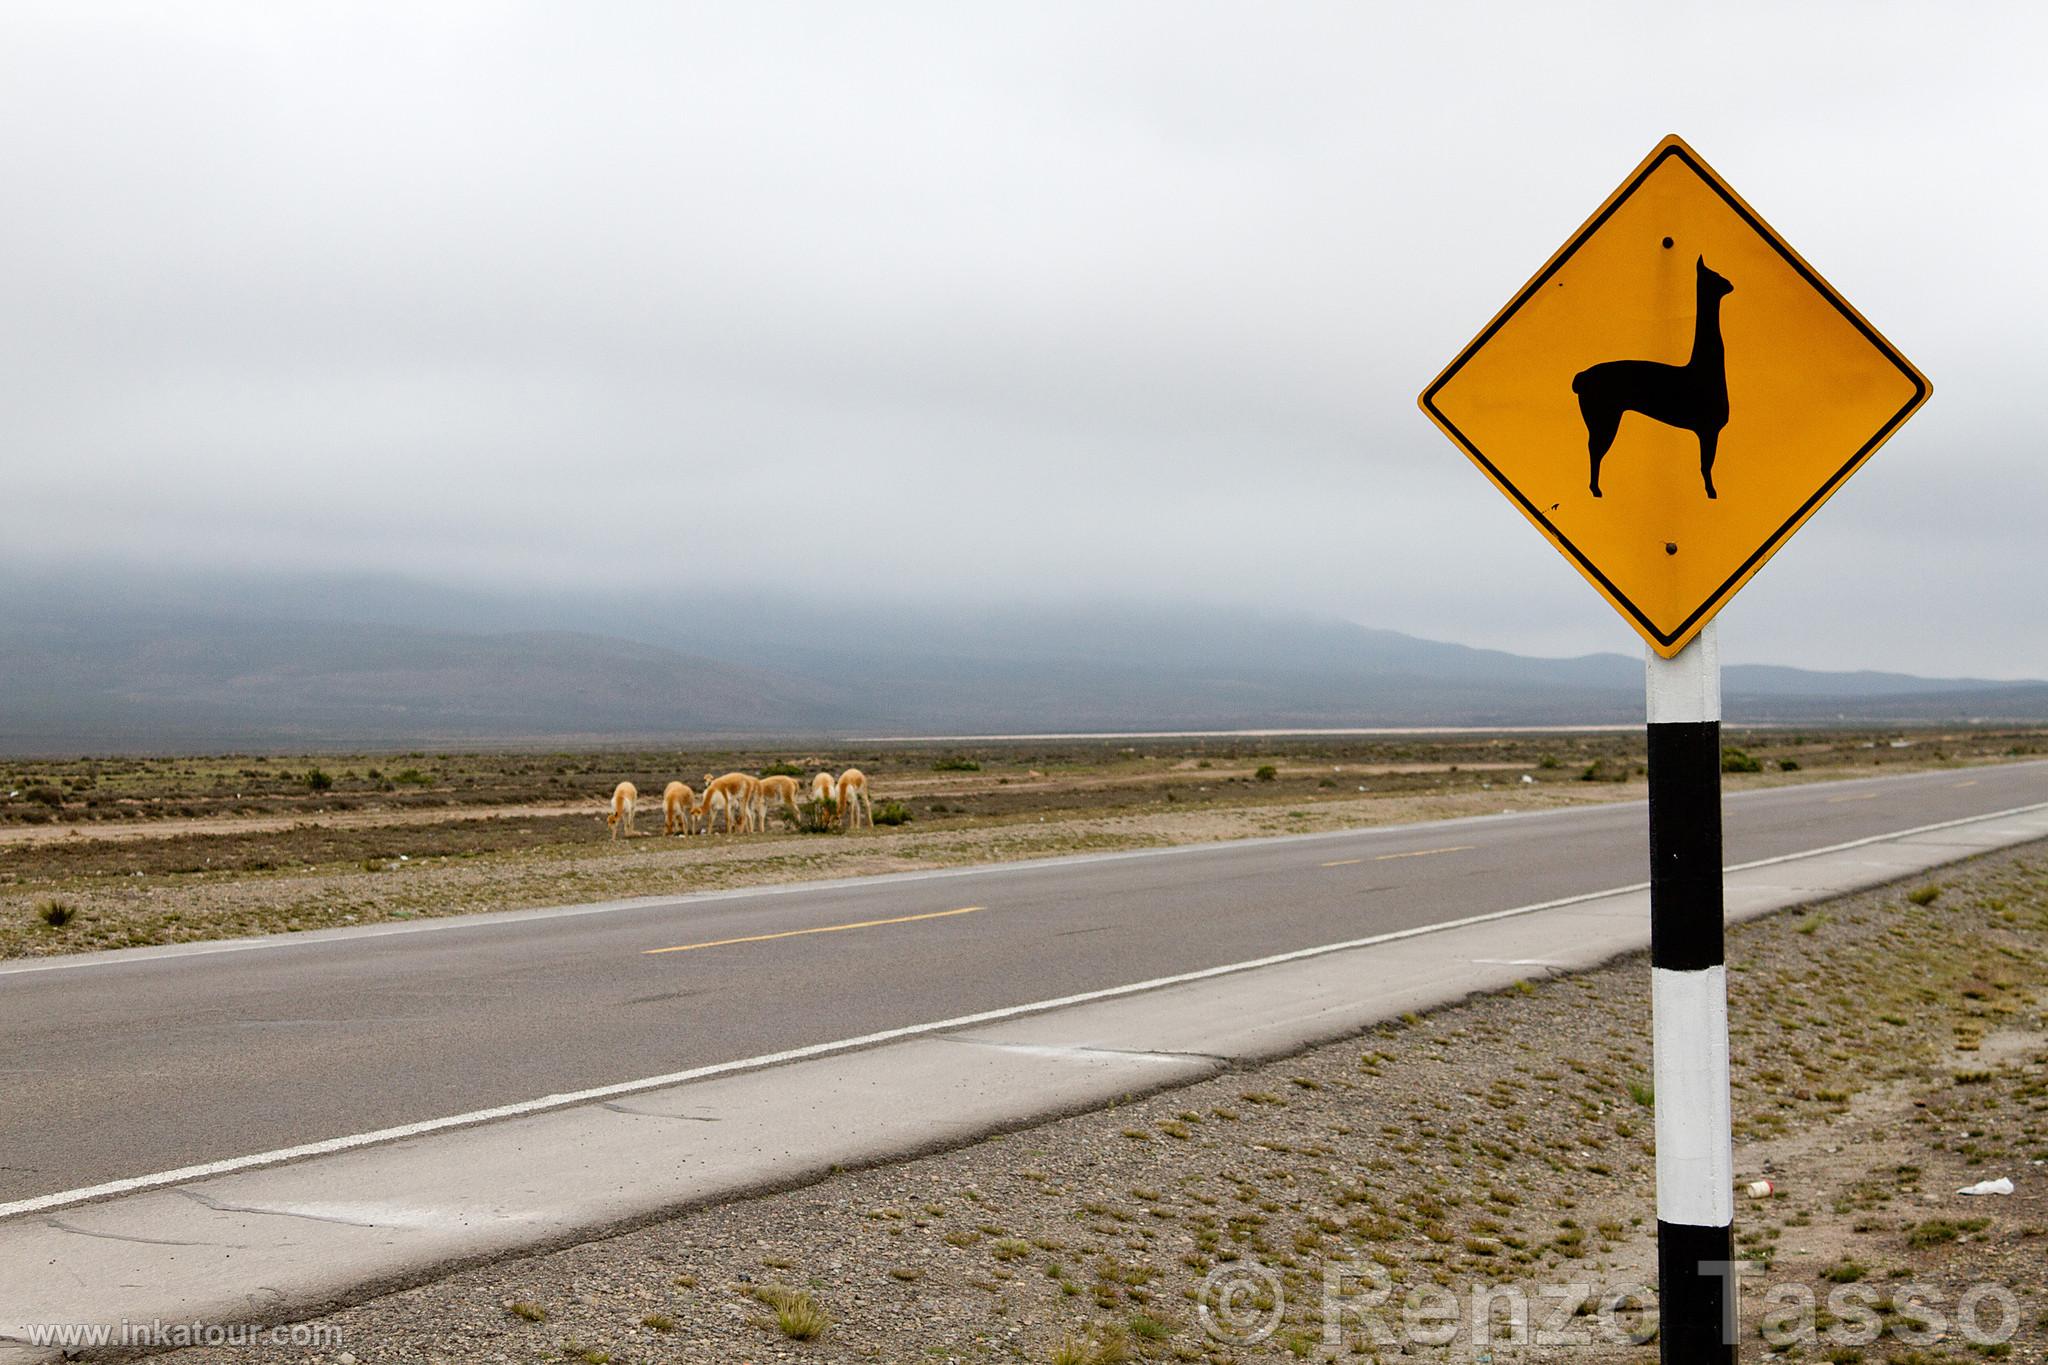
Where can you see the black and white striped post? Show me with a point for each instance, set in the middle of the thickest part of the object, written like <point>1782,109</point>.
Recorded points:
<point>1689,1009</point>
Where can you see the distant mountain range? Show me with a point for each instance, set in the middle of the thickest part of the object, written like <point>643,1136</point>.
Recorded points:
<point>218,665</point>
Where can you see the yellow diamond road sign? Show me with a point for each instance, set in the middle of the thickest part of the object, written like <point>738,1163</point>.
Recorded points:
<point>1673,395</point>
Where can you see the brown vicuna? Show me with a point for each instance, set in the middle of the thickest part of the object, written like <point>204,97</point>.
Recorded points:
<point>852,790</point>
<point>677,817</point>
<point>732,794</point>
<point>624,797</point>
<point>778,788</point>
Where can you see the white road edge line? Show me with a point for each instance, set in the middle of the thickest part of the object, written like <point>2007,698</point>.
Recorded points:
<point>133,1184</point>
<point>485,921</point>
<point>1870,839</point>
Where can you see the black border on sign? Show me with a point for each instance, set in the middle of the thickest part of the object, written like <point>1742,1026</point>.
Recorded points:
<point>1777,537</point>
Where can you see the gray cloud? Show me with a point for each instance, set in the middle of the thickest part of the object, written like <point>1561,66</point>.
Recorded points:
<point>1038,301</point>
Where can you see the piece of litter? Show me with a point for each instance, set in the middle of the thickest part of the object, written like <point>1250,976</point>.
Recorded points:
<point>1760,1189</point>
<point>1998,1186</point>
<point>1528,779</point>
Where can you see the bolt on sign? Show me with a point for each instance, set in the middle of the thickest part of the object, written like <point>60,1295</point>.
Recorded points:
<point>1673,395</point>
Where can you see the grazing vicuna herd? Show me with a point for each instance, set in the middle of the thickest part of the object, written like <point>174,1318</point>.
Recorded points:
<point>741,801</point>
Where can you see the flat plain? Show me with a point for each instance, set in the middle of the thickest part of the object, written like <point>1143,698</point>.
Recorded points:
<point>117,852</point>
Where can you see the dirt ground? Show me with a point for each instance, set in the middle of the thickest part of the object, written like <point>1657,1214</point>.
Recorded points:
<point>1396,1196</point>
<point>104,853</point>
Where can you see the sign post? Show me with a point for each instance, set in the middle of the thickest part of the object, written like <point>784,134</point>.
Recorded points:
<point>1667,401</point>
<point>1689,1008</point>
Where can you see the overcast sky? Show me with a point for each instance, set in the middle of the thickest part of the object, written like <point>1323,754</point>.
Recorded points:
<point>1005,300</point>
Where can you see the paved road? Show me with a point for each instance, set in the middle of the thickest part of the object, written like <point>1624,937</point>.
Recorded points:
<point>122,1067</point>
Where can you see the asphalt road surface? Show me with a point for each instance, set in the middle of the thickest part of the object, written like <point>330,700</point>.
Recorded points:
<point>120,1068</point>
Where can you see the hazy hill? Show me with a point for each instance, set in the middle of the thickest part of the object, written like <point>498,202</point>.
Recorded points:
<point>196,681</point>
<point>220,663</point>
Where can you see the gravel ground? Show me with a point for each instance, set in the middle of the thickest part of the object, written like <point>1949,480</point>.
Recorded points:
<point>1890,1048</point>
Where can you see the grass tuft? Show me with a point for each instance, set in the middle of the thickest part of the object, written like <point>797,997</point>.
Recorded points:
<point>797,1314</point>
<point>1149,1329</point>
<point>1935,1231</point>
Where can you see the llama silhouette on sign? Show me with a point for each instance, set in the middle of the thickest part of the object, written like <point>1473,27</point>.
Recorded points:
<point>1692,397</point>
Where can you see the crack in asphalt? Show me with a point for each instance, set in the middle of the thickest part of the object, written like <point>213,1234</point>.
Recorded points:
<point>1084,1050</point>
<point>62,1226</point>
<point>619,1108</point>
<point>222,1206</point>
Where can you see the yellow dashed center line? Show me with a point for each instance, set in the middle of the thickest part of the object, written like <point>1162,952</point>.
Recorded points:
<point>822,929</point>
<point>1960,785</point>
<point>1859,796</point>
<point>1388,857</point>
